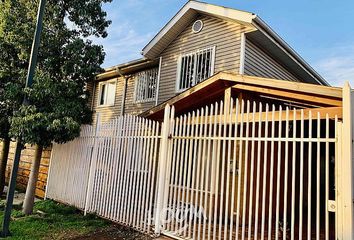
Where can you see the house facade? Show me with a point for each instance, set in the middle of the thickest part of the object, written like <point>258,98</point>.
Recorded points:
<point>198,42</point>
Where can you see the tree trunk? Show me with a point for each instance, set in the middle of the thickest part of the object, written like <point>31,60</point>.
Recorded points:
<point>3,162</point>
<point>32,181</point>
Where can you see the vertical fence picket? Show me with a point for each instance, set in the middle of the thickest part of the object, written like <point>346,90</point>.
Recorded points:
<point>217,169</point>
<point>259,144</point>
<point>245,178</point>
<point>318,176</point>
<point>228,171</point>
<point>195,169</point>
<point>265,164</point>
<point>286,163</point>
<point>327,179</point>
<point>309,178</point>
<point>250,204</point>
<point>234,164</point>
<point>277,211</point>
<point>301,174</point>
<point>270,213</point>
<point>207,184</point>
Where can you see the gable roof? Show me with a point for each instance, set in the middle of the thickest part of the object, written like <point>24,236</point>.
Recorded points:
<point>263,35</point>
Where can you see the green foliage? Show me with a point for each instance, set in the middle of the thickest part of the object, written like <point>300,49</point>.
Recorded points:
<point>53,221</point>
<point>67,62</point>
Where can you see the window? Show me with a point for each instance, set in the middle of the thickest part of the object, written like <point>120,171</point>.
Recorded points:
<point>107,93</point>
<point>195,67</point>
<point>145,88</point>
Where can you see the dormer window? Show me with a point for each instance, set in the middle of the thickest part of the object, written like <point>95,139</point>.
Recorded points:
<point>194,68</point>
<point>145,88</point>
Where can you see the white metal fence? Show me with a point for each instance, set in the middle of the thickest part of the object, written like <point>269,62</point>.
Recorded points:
<point>231,170</point>
<point>69,169</point>
<point>109,171</point>
<point>248,171</point>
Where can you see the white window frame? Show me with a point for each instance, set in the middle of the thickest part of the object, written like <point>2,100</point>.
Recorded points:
<point>100,93</point>
<point>194,53</point>
<point>141,97</point>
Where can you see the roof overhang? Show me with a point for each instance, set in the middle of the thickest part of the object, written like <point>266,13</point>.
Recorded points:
<point>127,68</point>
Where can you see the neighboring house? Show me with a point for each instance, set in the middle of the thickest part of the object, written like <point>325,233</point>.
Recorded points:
<point>199,41</point>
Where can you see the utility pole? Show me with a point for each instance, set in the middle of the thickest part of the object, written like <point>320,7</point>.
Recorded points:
<point>19,145</point>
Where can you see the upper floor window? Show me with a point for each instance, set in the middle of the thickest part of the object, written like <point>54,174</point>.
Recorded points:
<point>195,67</point>
<point>145,88</point>
<point>107,93</point>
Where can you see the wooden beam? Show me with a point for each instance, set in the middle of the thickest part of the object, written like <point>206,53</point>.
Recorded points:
<point>334,92</point>
<point>227,100</point>
<point>327,101</point>
<point>332,112</point>
<point>223,80</point>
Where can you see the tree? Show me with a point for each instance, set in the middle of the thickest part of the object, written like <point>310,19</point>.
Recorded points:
<point>67,62</point>
<point>10,99</point>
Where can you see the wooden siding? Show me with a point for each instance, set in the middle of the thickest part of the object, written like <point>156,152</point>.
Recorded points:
<point>25,168</point>
<point>131,107</point>
<point>216,32</point>
<point>261,64</point>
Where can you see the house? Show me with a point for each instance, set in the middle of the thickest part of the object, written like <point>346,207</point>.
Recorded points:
<point>198,42</point>
<point>220,116</point>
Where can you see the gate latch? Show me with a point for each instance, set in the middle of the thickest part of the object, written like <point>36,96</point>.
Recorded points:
<point>332,206</point>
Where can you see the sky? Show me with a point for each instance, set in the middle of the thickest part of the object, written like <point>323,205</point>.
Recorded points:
<point>321,31</point>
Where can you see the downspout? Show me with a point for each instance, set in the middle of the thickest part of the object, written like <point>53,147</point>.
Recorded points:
<point>122,110</point>
<point>93,95</point>
<point>158,82</point>
<point>242,54</point>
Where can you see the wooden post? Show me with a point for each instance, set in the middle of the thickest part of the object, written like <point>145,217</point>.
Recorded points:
<point>93,162</point>
<point>345,214</point>
<point>162,173</point>
<point>227,101</point>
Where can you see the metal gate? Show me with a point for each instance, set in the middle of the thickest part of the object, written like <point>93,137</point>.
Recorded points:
<point>247,170</point>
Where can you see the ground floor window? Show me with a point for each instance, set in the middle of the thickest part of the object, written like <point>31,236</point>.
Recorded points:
<point>107,93</point>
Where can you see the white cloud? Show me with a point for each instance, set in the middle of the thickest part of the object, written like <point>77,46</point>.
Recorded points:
<point>126,38</point>
<point>123,44</point>
<point>337,66</point>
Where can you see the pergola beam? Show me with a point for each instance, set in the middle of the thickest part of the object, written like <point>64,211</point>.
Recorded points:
<point>310,98</point>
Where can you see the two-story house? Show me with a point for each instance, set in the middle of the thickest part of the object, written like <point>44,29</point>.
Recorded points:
<point>199,41</point>
<point>233,123</point>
